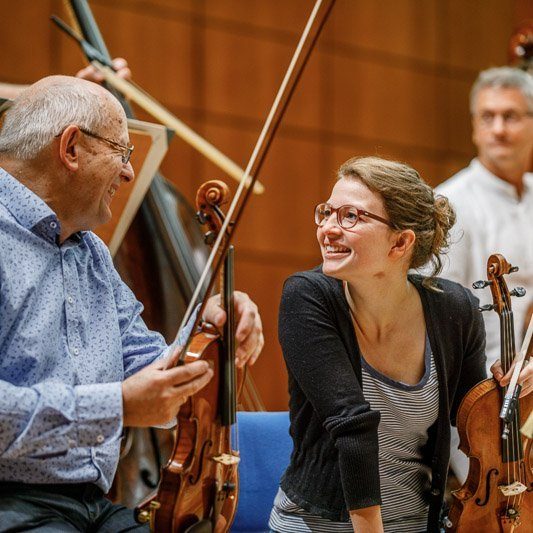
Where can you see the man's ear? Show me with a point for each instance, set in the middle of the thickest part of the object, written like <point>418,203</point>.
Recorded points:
<point>403,243</point>
<point>69,147</point>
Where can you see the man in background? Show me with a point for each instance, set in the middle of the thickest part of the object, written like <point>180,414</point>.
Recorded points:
<point>493,198</point>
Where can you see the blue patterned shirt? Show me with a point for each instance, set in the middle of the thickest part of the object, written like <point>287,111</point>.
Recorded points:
<point>70,333</point>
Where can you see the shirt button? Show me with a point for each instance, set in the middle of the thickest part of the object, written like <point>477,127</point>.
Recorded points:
<point>70,299</point>
<point>53,225</point>
<point>100,439</point>
<point>75,351</point>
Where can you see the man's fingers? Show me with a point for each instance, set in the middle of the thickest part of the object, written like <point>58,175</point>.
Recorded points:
<point>213,313</point>
<point>121,66</point>
<point>497,371</point>
<point>182,374</point>
<point>192,387</point>
<point>248,315</point>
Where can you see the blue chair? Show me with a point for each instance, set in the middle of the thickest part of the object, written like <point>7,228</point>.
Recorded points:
<point>265,447</point>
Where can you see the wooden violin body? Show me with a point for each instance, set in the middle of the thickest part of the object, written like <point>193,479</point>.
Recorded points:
<point>480,505</point>
<point>497,495</point>
<point>199,485</point>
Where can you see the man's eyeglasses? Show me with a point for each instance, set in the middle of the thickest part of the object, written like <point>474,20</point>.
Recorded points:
<point>509,118</point>
<point>124,150</point>
<point>347,215</point>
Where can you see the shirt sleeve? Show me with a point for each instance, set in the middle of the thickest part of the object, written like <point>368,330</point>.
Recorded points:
<point>319,362</point>
<point>140,345</point>
<point>47,419</point>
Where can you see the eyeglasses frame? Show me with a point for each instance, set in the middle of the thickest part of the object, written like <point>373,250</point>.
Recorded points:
<point>485,122</point>
<point>126,150</point>
<point>357,210</point>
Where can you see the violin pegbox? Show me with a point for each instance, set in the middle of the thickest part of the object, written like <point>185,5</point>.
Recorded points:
<point>497,267</point>
<point>209,197</point>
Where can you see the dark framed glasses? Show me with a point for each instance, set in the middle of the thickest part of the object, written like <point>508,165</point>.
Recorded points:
<point>124,150</point>
<point>347,215</point>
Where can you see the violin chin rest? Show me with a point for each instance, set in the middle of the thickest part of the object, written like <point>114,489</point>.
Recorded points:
<point>203,526</point>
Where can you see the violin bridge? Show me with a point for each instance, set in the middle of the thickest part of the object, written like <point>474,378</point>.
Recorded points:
<point>513,489</point>
<point>227,459</point>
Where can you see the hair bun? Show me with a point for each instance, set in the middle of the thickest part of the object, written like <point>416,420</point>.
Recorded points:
<point>444,216</point>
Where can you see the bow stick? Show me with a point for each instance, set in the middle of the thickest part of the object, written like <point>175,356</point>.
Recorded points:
<point>513,389</point>
<point>299,59</point>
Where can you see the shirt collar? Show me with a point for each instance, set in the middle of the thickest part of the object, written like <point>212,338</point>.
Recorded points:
<point>499,185</point>
<point>23,203</point>
<point>31,211</point>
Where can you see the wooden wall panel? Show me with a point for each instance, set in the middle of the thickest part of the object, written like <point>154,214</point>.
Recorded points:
<point>389,77</point>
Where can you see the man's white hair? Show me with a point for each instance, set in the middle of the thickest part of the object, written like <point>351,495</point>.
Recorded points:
<point>40,114</point>
<point>503,78</point>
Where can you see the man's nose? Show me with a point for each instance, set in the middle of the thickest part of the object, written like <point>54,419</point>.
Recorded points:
<point>498,124</point>
<point>128,174</point>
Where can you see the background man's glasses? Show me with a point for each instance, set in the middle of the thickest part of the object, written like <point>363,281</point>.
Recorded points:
<point>509,118</point>
<point>124,150</point>
<point>347,215</point>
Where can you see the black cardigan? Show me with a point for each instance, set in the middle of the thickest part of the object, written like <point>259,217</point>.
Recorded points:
<point>334,463</point>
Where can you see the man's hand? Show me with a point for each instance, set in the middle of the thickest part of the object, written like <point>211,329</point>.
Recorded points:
<point>153,396</point>
<point>249,332</point>
<point>525,377</point>
<point>91,74</point>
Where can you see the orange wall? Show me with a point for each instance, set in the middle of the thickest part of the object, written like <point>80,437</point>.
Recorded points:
<point>389,77</point>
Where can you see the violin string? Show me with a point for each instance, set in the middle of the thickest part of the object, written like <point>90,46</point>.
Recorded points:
<point>505,367</point>
<point>515,423</point>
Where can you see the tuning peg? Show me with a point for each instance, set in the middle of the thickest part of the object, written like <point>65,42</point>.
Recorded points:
<point>513,269</point>
<point>488,307</point>
<point>518,292</point>
<point>210,237</point>
<point>200,216</point>
<point>481,284</point>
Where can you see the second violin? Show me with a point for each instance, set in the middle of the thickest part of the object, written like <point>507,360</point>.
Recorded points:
<point>497,495</point>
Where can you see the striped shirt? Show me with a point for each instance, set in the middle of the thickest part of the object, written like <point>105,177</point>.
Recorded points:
<point>407,411</point>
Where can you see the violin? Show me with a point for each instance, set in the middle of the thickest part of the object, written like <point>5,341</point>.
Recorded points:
<point>198,487</point>
<point>497,494</point>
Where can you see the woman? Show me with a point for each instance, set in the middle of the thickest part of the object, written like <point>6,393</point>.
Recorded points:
<point>378,359</point>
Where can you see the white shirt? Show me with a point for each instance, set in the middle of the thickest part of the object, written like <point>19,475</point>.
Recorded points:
<point>491,219</point>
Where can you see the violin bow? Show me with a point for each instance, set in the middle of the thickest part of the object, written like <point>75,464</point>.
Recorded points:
<point>513,389</point>
<point>315,23</point>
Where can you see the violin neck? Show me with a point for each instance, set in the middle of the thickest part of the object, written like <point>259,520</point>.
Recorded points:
<point>228,395</point>
<point>508,345</point>
<point>511,447</point>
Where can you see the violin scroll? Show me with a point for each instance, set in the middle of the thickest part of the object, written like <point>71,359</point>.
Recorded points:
<point>209,197</point>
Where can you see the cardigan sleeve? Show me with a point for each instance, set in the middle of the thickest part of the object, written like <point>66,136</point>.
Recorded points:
<point>473,364</point>
<point>319,361</point>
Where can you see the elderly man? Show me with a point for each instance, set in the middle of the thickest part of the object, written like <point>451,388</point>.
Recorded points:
<point>77,362</point>
<point>493,198</point>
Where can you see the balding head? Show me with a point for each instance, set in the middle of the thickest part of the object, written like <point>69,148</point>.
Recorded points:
<point>47,107</point>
